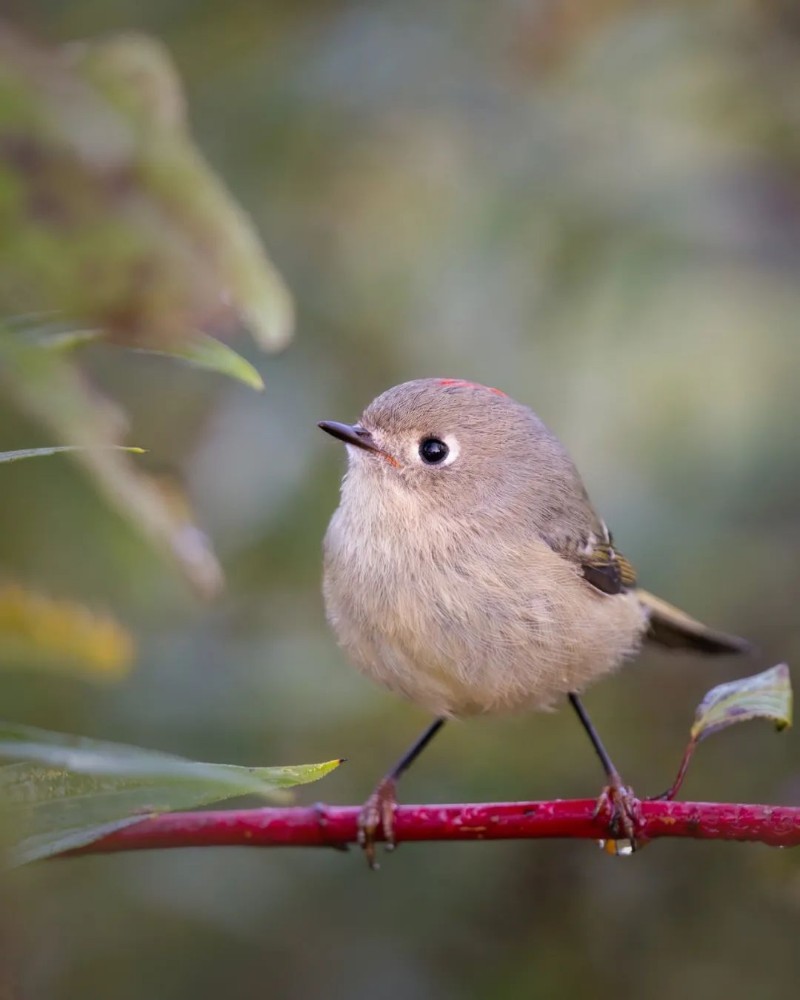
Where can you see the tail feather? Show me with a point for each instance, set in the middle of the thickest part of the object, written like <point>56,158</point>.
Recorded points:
<point>669,626</point>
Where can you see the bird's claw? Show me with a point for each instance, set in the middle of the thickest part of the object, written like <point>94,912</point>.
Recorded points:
<point>621,809</point>
<point>377,818</point>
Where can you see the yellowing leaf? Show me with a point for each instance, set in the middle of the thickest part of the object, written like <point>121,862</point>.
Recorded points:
<point>62,636</point>
<point>767,695</point>
<point>289,775</point>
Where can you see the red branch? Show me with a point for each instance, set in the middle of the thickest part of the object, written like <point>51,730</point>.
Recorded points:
<point>336,826</point>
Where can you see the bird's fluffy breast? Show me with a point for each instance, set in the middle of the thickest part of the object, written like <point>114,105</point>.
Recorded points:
<point>443,614</point>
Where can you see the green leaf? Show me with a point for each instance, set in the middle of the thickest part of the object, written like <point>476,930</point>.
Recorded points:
<point>767,695</point>
<point>15,456</point>
<point>68,791</point>
<point>85,756</point>
<point>206,352</point>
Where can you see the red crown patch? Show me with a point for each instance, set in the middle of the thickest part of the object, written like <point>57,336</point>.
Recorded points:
<point>469,385</point>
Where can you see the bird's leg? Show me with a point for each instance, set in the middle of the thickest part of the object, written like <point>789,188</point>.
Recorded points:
<point>377,813</point>
<point>617,799</point>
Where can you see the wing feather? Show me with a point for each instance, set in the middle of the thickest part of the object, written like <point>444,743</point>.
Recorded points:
<point>610,572</point>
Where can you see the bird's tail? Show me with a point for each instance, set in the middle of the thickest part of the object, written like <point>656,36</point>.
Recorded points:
<point>673,628</point>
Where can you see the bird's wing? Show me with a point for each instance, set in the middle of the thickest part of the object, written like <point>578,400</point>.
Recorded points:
<point>605,568</point>
<point>673,628</point>
<point>610,572</point>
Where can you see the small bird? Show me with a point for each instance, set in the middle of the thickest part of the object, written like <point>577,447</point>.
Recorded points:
<point>466,569</point>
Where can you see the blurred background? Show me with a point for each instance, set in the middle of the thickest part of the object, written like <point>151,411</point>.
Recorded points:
<point>595,207</point>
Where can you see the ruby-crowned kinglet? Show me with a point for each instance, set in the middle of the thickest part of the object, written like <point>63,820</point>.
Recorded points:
<point>466,569</point>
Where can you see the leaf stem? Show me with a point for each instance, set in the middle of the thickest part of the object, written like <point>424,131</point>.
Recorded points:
<point>675,787</point>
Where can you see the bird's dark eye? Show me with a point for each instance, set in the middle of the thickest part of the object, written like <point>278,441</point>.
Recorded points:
<point>432,451</point>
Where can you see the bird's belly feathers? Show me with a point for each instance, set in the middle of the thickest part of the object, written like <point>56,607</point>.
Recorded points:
<point>447,631</point>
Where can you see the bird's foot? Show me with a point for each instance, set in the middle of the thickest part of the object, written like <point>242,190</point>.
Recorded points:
<point>621,809</point>
<point>377,817</point>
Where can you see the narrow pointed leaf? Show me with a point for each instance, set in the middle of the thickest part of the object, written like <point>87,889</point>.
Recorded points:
<point>206,352</point>
<point>15,456</point>
<point>85,756</point>
<point>767,695</point>
<point>290,775</point>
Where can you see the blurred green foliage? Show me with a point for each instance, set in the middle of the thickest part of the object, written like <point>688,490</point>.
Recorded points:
<point>596,207</point>
<point>107,212</point>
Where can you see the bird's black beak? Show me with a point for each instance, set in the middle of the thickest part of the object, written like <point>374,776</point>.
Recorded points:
<point>350,434</point>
